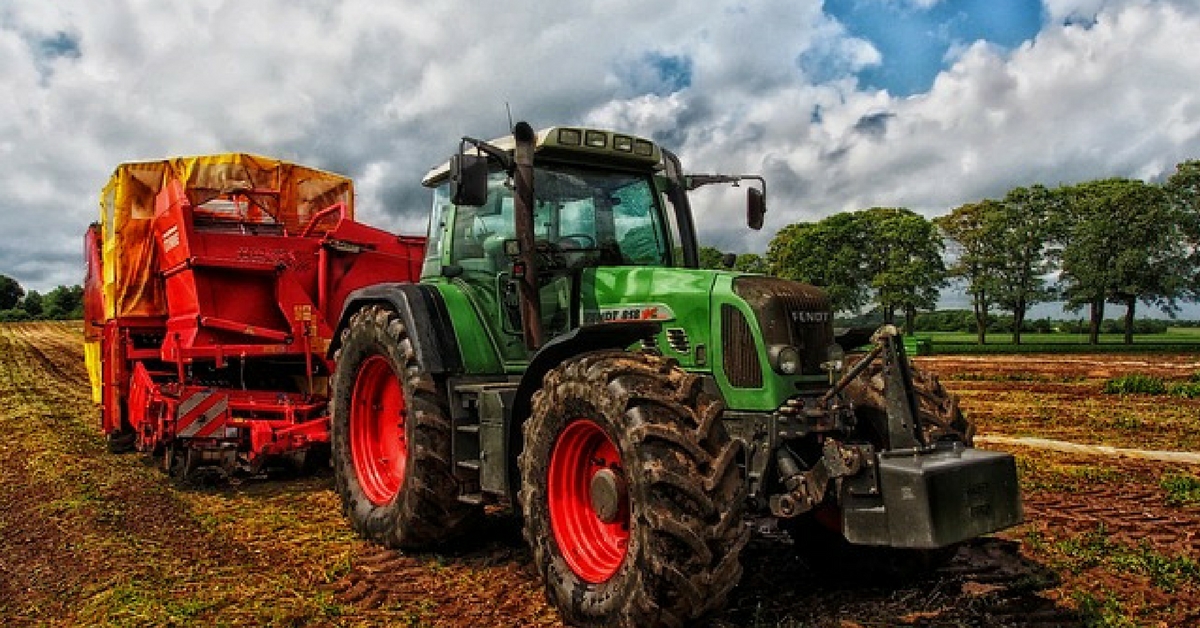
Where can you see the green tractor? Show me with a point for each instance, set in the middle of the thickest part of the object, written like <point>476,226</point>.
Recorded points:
<point>563,356</point>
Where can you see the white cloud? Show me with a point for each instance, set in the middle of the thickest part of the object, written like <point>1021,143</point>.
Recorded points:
<point>383,91</point>
<point>1087,10</point>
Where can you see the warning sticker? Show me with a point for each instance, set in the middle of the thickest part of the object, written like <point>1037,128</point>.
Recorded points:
<point>170,238</point>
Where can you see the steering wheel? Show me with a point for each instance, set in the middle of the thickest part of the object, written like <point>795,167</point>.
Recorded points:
<point>574,240</point>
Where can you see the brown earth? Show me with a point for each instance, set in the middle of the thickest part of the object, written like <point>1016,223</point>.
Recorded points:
<point>91,538</point>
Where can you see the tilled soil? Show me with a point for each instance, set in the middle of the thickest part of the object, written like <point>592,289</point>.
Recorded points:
<point>91,538</point>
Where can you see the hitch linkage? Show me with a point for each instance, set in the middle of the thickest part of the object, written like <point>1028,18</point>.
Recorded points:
<point>806,489</point>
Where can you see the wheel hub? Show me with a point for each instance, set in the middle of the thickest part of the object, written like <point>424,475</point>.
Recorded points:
<point>609,494</point>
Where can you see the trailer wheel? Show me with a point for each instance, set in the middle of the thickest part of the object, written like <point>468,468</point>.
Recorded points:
<point>390,439</point>
<point>124,439</point>
<point>121,442</point>
<point>180,462</point>
<point>632,493</point>
<point>940,415</point>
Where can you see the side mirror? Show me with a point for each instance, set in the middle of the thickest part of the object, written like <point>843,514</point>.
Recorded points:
<point>756,208</point>
<point>468,180</point>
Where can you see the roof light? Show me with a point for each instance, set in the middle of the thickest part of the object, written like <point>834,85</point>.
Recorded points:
<point>569,137</point>
<point>623,143</point>
<point>596,139</point>
<point>642,148</point>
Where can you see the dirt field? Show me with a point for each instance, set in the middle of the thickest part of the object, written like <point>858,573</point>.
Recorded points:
<point>91,538</point>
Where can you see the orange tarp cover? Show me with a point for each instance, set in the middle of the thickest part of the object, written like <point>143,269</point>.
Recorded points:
<point>290,194</point>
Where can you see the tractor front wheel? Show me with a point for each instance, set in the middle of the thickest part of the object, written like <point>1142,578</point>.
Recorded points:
<point>631,492</point>
<point>390,439</point>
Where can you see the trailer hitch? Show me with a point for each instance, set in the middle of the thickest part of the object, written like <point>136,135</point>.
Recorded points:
<point>806,489</point>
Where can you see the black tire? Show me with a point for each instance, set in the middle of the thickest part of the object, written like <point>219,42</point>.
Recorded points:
<point>684,487</point>
<point>424,511</point>
<point>124,439</point>
<point>941,418</point>
<point>121,441</point>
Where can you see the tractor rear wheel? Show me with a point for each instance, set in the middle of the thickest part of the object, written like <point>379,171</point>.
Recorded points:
<point>631,493</point>
<point>390,439</point>
<point>941,418</point>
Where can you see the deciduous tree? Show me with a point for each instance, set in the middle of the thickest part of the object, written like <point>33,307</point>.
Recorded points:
<point>64,302</point>
<point>972,230</point>
<point>829,253</point>
<point>904,259</point>
<point>1029,223</point>
<point>889,257</point>
<point>32,304</point>
<point>10,292</point>
<point>1124,243</point>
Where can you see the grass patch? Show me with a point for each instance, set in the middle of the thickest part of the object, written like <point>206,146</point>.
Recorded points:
<point>1166,572</point>
<point>1187,390</point>
<point>1174,341</point>
<point>1182,489</point>
<point>1135,383</point>
<point>1101,612</point>
<point>132,603</point>
<point>1096,549</point>
<point>1140,384</point>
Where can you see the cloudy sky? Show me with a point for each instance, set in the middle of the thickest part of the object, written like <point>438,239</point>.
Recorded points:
<point>842,104</point>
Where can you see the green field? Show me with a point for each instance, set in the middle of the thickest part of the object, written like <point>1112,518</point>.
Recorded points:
<point>1176,339</point>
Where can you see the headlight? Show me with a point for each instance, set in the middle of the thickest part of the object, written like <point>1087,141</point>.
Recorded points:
<point>785,359</point>
<point>835,357</point>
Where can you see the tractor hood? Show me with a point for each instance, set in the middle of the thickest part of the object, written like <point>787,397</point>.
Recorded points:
<point>732,325</point>
<point>678,298</point>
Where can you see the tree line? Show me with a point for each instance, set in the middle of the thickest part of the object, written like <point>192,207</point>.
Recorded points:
<point>61,303</point>
<point>1111,241</point>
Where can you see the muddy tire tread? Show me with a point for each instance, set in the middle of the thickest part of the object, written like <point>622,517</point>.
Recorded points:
<point>686,501</point>
<point>426,513</point>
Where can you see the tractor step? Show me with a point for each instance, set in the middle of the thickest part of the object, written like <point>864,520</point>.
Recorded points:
<point>474,499</point>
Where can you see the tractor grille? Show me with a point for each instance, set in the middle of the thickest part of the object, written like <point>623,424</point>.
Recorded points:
<point>741,353</point>
<point>790,313</point>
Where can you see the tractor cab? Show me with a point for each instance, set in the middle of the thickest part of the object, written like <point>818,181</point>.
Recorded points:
<point>599,199</point>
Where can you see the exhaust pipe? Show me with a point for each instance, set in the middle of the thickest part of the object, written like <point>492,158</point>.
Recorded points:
<point>527,283</point>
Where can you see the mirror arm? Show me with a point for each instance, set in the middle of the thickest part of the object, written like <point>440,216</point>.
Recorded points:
<point>504,157</point>
<point>693,181</point>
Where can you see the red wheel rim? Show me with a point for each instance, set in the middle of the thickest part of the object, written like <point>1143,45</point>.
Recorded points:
<point>594,549</point>
<point>377,442</point>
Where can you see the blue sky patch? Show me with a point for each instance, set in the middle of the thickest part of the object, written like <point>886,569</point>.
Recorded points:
<point>59,45</point>
<point>914,41</point>
<point>659,74</point>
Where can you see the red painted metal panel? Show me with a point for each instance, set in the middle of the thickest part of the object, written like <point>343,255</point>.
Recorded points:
<point>249,298</point>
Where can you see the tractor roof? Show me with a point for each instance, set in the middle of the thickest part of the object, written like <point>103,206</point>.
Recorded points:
<point>574,143</point>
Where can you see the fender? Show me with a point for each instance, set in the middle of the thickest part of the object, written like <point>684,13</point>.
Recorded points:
<point>424,313</point>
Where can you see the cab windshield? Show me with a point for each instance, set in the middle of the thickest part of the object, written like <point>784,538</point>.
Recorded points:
<point>583,217</point>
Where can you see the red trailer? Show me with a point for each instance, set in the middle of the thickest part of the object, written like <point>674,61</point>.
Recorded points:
<point>214,286</point>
